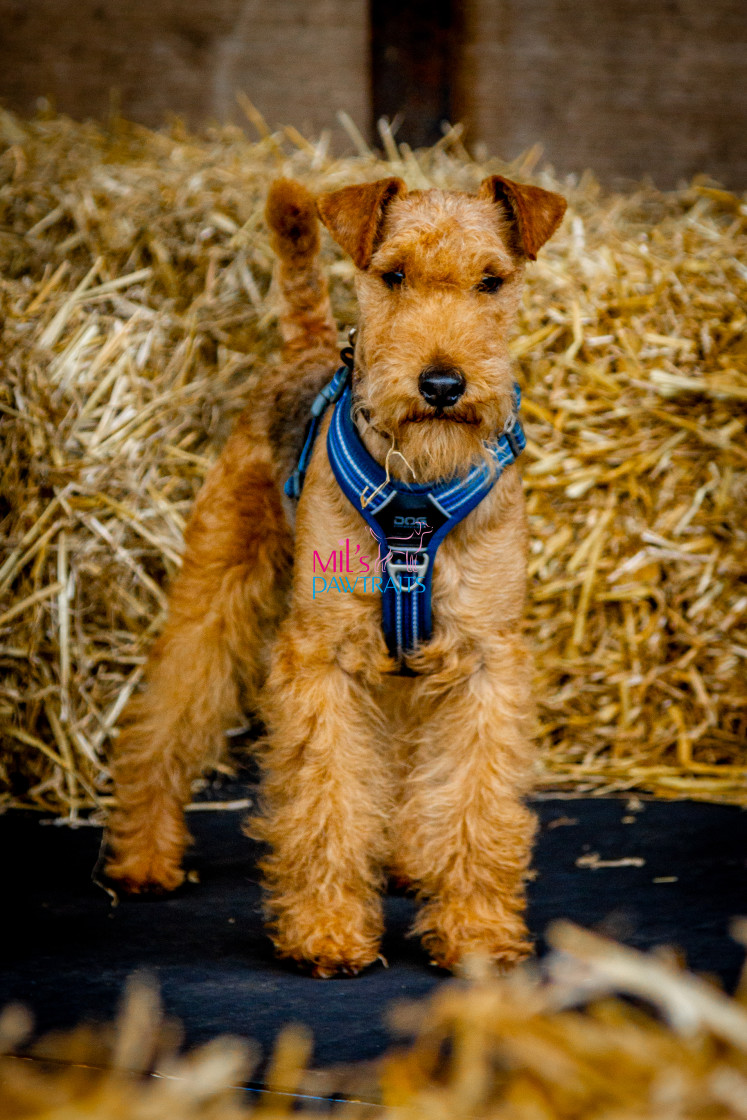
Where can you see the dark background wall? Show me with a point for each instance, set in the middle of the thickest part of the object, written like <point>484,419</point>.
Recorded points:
<point>298,60</point>
<point>416,53</point>
<point>625,87</point>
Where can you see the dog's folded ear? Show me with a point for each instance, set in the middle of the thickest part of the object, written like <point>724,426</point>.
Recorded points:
<point>537,213</point>
<point>354,215</point>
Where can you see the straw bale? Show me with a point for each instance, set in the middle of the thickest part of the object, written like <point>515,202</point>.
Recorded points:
<point>137,310</point>
<point>603,1033</point>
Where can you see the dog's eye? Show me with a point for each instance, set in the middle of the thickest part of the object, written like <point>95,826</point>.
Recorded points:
<point>393,279</point>
<point>490,284</point>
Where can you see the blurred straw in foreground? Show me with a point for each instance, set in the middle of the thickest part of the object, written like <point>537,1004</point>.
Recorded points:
<point>564,1045</point>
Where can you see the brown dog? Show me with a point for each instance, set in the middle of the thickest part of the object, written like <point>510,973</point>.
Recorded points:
<point>367,772</point>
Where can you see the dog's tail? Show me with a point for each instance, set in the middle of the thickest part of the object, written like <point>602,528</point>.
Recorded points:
<point>305,314</point>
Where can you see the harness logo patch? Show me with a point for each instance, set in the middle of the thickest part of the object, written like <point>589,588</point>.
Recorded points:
<point>411,522</point>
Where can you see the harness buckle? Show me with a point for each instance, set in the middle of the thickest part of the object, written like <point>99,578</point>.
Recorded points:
<point>396,568</point>
<point>508,433</point>
<point>326,396</point>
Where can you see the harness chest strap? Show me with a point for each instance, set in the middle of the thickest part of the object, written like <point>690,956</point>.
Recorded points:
<point>408,520</point>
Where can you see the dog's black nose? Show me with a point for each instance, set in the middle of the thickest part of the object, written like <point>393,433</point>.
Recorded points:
<point>441,386</point>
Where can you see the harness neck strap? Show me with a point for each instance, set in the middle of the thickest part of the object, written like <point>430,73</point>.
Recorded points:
<point>409,521</point>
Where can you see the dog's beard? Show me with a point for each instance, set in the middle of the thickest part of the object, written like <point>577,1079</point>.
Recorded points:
<point>467,414</point>
<point>432,445</point>
<point>441,448</point>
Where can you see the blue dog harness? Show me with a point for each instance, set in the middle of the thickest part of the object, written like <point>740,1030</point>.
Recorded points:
<point>408,520</point>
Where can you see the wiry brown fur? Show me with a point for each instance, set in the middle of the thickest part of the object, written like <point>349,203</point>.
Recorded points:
<point>366,773</point>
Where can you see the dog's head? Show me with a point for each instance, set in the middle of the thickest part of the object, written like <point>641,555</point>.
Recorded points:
<point>438,283</point>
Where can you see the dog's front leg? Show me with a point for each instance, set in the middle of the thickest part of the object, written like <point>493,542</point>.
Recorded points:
<point>464,835</point>
<point>325,809</point>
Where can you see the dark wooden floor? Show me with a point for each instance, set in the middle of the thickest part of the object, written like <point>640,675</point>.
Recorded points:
<point>67,951</point>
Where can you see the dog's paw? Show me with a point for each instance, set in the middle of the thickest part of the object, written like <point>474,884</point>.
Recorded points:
<point>452,955</point>
<point>327,960</point>
<point>326,954</point>
<point>149,873</point>
<point>450,935</point>
<point>326,968</point>
<point>329,941</point>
